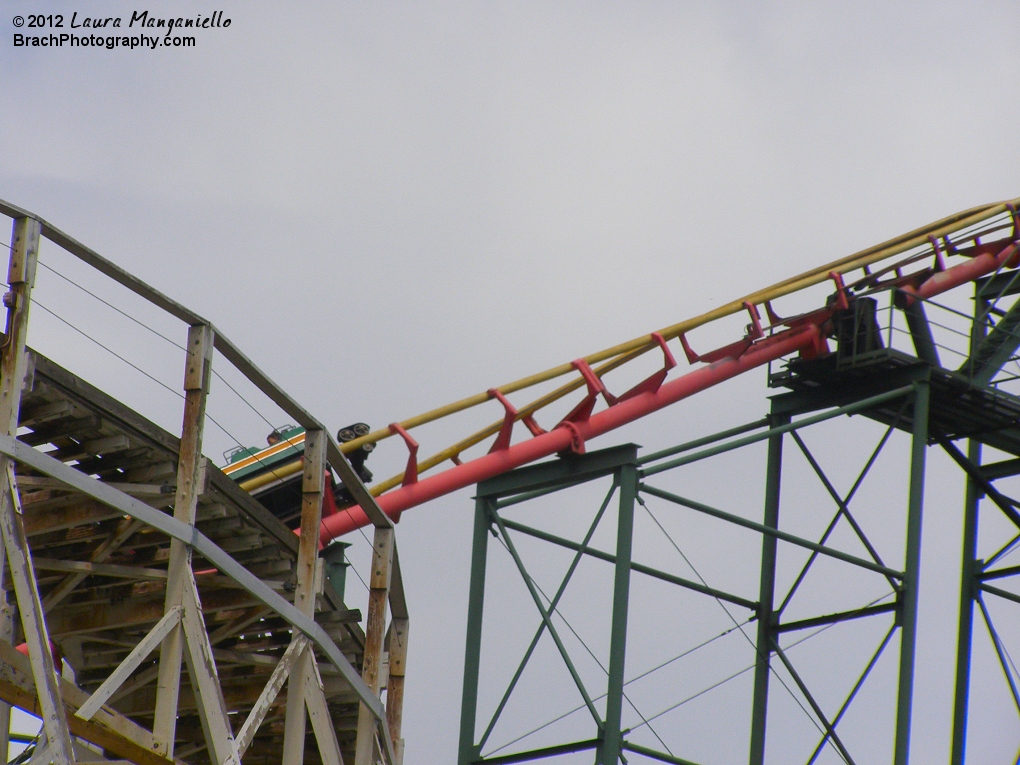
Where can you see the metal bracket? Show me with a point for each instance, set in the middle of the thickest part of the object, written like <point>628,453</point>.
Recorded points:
<point>509,418</point>
<point>411,471</point>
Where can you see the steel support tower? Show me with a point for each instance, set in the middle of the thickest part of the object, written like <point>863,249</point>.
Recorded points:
<point>917,404</point>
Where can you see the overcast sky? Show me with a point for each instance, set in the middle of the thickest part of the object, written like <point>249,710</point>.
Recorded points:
<point>391,206</point>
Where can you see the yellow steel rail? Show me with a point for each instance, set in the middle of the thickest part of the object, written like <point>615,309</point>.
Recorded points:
<point>618,355</point>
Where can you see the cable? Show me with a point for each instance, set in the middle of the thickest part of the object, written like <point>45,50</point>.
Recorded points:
<point>586,648</point>
<point>115,308</point>
<point>750,667</point>
<point>158,334</point>
<point>688,652</point>
<point>108,350</point>
<point>167,387</point>
<point>730,615</point>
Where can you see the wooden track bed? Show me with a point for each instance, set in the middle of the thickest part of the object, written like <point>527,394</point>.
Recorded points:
<point>102,576</point>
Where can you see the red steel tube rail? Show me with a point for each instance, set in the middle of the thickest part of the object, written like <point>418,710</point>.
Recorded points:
<point>804,334</point>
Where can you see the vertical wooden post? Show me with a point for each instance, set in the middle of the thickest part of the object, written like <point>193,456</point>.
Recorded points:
<point>397,645</point>
<point>375,631</point>
<point>179,576</point>
<point>303,676</point>
<point>6,635</point>
<point>21,277</point>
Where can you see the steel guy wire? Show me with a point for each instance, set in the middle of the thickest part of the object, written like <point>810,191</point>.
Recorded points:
<point>160,382</point>
<point>722,605</point>
<point>178,393</point>
<point>691,698</point>
<point>586,648</point>
<point>689,652</point>
<point>115,308</point>
<point>751,666</point>
<point>158,334</point>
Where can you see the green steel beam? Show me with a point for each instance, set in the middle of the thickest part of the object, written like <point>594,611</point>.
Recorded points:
<point>552,607</point>
<point>998,573</point>
<point>911,575</point>
<point>638,749</point>
<point>844,507</point>
<point>638,567</point>
<point>853,692</point>
<point>704,441</point>
<point>468,752</point>
<point>830,730</point>
<point>992,353</point>
<point>832,524</point>
<point>969,567</point>
<point>610,750</point>
<point>999,593</point>
<point>569,470</point>
<point>1003,469</point>
<point>766,595</point>
<point>763,529</point>
<point>841,616</point>
<point>1000,651</point>
<point>538,754</point>
<point>973,471</point>
<point>854,408</point>
<point>920,333</point>
<point>546,618</point>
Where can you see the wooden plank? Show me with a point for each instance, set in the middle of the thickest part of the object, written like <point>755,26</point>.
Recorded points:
<point>269,693</point>
<point>21,276</point>
<point>138,612</point>
<point>125,530</point>
<point>375,630</point>
<point>99,569</point>
<point>197,373</point>
<point>90,398</point>
<point>39,415</point>
<point>138,654</point>
<point>322,724</point>
<point>107,729</point>
<point>238,624</point>
<point>313,484</point>
<point>254,510</point>
<point>73,511</point>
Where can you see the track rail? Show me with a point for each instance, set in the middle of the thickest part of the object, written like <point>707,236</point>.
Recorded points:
<point>921,264</point>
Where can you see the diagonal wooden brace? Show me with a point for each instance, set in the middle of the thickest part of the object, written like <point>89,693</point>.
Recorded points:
<point>138,654</point>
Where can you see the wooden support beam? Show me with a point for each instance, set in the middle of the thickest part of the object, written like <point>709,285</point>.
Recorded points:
<point>269,693</point>
<point>125,530</point>
<point>21,277</point>
<point>375,631</point>
<point>197,374</point>
<point>107,729</point>
<point>137,655</point>
<point>313,485</point>
<point>397,646</point>
<point>139,612</point>
<point>398,632</point>
<point>212,708</point>
<point>318,713</point>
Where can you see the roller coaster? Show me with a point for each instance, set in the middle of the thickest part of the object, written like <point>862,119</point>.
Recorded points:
<point>129,555</point>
